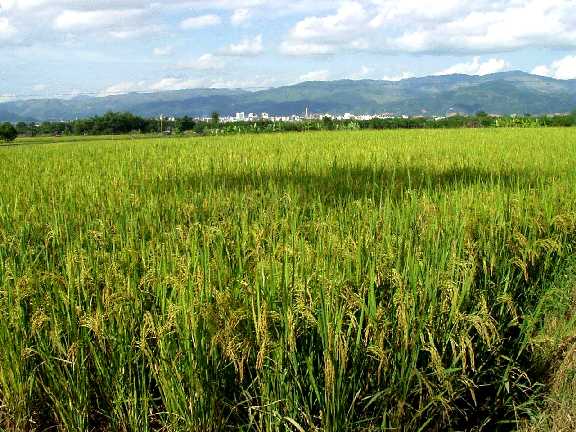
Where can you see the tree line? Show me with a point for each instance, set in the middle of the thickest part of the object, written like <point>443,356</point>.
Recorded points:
<point>126,123</point>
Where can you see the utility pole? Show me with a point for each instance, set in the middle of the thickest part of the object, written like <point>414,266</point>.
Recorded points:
<point>161,124</point>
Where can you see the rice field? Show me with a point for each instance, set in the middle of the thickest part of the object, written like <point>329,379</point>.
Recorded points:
<point>344,281</point>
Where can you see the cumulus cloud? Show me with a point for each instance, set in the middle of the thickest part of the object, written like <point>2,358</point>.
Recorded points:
<point>432,27</point>
<point>346,20</point>
<point>564,68</point>
<point>324,27</point>
<point>7,98</point>
<point>399,77</point>
<point>319,75</point>
<point>240,16</point>
<point>7,30</point>
<point>363,73</point>
<point>168,84</point>
<point>292,48</point>
<point>165,84</point>
<point>477,67</point>
<point>134,33</point>
<point>123,88</point>
<point>255,83</point>
<point>71,20</point>
<point>202,21</point>
<point>163,51</point>
<point>246,47</point>
<point>178,83</point>
<point>267,6</point>
<point>203,63</point>
<point>123,19</point>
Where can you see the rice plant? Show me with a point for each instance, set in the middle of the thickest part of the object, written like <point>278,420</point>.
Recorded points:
<point>308,282</point>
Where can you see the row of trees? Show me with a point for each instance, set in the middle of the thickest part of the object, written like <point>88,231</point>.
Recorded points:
<point>108,124</point>
<point>124,123</point>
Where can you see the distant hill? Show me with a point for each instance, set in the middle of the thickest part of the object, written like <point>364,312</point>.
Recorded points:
<point>501,93</point>
<point>9,116</point>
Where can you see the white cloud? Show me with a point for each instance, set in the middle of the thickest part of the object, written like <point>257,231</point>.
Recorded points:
<point>564,68</point>
<point>255,83</point>
<point>306,49</point>
<point>266,6</point>
<point>477,67</point>
<point>83,22</point>
<point>133,33</point>
<point>400,77</point>
<point>165,84</point>
<point>203,63</point>
<point>163,51</point>
<point>240,16</point>
<point>7,30</point>
<point>543,70</point>
<point>172,83</point>
<point>345,21</point>
<point>433,27</point>
<point>324,26</point>
<point>169,84</point>
<point>319,75</point>
<point>72,20</point>
<point>123,88</point>
<point>199,22</point>
<point>363,73</point>
<point>246,47</point>
<point>7,97</point>
<point>323,35</point>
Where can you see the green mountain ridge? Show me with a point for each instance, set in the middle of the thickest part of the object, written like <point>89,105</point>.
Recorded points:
<point>500,93</point>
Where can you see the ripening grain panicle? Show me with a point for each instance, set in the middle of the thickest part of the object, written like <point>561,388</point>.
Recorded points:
<point>309,282</point>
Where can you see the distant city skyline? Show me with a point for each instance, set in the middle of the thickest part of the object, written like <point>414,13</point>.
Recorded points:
<point>62,48</point>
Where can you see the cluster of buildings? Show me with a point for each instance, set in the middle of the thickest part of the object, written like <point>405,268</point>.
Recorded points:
<point>251,117</point>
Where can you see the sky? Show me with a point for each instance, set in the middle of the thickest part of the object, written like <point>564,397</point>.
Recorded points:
<point>63,48</point>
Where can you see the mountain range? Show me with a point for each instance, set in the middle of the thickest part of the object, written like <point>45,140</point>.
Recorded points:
<point>500,93</point>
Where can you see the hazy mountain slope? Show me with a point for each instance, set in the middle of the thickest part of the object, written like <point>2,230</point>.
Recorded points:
<point>502,93</point>
<point>8,116</point>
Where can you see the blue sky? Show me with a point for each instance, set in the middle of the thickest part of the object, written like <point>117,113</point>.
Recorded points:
<point>102,47</point>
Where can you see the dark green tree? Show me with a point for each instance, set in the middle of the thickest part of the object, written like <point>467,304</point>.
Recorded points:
<point>184,124</point>
<point>215,118</point>
<point>8,132</point>
<point>200,128</point>
<point>328,123</point>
